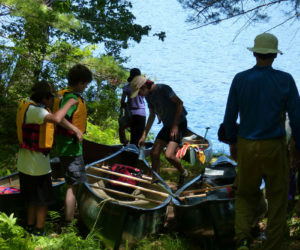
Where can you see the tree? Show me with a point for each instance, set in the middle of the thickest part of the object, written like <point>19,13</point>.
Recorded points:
<point>33,26</point>
<point>206,12</point>
<point>42,39</point>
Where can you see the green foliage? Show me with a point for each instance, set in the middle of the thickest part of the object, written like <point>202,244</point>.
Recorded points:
<point>13,236</point>
<point>164,242</point>
<point>107,133</point>
<point>205,12</point>
<point>8,226</point>
<point>293,223</point>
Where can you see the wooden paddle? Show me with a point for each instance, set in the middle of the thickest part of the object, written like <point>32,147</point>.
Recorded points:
<point>129,185</point>
<point>108,168</point>
<point>122,175</point>
<point>207,189</point>
<point>192,196</point>
<point>125,194</point>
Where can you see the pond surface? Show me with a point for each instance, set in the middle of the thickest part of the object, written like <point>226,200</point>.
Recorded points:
<point>200,64</point>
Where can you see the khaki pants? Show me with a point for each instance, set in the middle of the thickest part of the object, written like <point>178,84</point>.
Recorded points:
<point>257,160</point>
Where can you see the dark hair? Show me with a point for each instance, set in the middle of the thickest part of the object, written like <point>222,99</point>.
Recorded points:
<point>133,73</point>
<point>38,97</point>
<point>79,73</point>
<point>265,56</point>
<point>149,84</point>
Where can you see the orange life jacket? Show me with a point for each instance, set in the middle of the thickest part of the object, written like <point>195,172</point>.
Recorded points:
<point>33,137</point>
<point>78,117</point>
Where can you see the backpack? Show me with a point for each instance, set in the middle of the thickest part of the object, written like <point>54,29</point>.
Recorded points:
<point>125,170</point>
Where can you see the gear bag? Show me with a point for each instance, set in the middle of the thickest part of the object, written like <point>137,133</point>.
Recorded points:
<point>125,170</point>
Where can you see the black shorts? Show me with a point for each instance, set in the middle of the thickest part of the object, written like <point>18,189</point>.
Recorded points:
<point>164,133</point>
<point>74,168</point>
<point>36,190</point>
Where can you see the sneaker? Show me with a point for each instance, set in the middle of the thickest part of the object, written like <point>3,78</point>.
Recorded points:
<point>243,245</point>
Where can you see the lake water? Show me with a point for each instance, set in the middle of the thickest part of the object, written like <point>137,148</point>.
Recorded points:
<point>200,64</point>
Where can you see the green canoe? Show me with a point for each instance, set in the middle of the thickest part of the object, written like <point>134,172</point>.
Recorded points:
<point>122,218</point>
<point>12,203</point>
<point>207,212</point>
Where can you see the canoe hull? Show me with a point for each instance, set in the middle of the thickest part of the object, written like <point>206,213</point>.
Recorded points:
<point>117,224</point>
<point>207,217</point>
<point>13,203</point>
<point>212,215</point>
<point>120,224</point>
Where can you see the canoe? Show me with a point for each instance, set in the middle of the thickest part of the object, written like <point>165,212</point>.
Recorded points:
<point>122,218</point>
<point>205,208</point>
<point>203,143</point>
<point>12,203</point>
<point>93,151</point>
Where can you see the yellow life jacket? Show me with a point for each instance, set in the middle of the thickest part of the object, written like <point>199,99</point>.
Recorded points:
<point>33,137</point>
<point>78,117</point>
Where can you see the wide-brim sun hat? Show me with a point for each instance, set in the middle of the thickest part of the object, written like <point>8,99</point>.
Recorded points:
<point>136,83</point>
<point>44,87</point>
<point>265,43</point>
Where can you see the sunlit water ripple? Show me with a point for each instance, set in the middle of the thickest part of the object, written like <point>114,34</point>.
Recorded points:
<point>200,64</point>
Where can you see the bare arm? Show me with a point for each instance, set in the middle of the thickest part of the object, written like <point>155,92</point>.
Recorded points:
<point>68,125</point>
<point>148,126</point>
<point>179,107</point>
<point>59,115</point>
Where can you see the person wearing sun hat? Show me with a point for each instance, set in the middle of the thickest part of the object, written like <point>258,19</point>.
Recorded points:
<point>163,102</point>
<point>35,130</point>
<point>134,113</point>
<point>261,96</point>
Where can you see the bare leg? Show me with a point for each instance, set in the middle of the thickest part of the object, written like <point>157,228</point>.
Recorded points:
<point>155,154</point>
<point>41,214</point>
<point>70,203</point>
<point>171,156</point>
<point>31,211</point>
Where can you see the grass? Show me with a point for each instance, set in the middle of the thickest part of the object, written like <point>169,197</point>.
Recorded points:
<point>12,236</point>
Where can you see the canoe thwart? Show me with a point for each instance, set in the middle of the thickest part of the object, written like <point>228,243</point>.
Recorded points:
<point>119,174</point>
<point>207,189</point>
<point>129,185</point>
<point>125,194</point>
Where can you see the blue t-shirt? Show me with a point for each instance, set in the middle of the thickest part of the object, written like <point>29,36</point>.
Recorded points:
<point>262,96</point>
<point>160,101</point>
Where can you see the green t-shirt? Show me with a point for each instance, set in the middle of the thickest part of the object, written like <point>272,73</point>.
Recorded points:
<point>66,145</point>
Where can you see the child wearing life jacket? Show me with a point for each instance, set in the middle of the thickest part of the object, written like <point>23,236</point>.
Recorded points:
<point>68,147</point>
<point>35,129</point>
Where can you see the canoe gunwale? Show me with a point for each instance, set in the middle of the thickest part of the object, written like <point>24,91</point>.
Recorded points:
<point>17,173</point>
<point>196,179</point>
<point>98,197</point>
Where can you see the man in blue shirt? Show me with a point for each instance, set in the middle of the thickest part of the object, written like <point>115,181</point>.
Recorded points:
<point>261,96</point>
<point>163,102</point>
